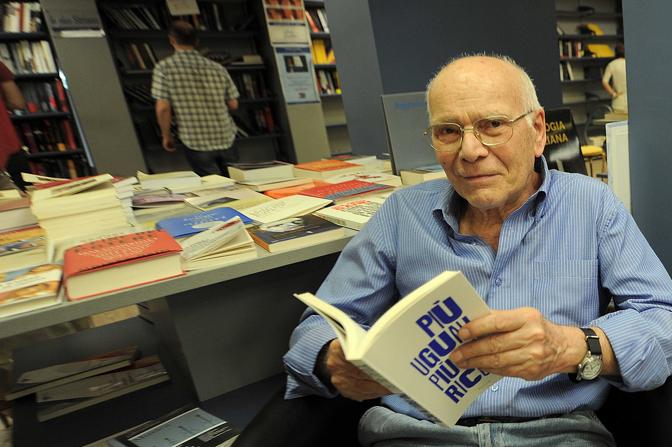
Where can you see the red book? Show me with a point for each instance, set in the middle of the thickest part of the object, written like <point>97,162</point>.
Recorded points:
<point>62,99</point>
<point>325,168</point>
<point>117,263</point>
<point>69,135</point>
<point>339,192</point>
<point>292,190</point>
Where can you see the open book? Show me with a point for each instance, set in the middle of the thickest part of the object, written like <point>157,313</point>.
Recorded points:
<point>407,349</point>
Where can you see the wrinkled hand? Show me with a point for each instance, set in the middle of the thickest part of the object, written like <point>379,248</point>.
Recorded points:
<point>168,145</point>
<point>519,343</point>
<point>349,380</point>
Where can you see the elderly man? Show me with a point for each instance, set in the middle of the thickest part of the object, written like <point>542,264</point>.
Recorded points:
<point>545,249</point>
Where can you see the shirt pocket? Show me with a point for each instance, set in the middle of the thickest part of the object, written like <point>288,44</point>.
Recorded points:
<point>566,291</point>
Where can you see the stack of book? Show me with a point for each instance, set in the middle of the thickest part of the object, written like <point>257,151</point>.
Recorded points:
<point>67,387</point>
<point>272,171</point>
<point>323,169</point>
<point>169,180</point>
<point>344,191</point>
<point>354,214</point>
<point>29,288</point>
<point>88,205</point>
<point>22,248</point>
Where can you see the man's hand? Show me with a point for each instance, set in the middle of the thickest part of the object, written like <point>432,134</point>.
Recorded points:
<point>520,343</point>
<point>168,144</point>
<point>349,380</point>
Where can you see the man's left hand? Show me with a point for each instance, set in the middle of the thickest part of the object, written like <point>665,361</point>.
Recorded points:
<point>520,343</point>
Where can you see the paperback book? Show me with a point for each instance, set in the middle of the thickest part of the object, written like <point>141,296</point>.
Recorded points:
<point>325,168</point>
<point>29,289</point>
<point>22,248</point>
<point>74,396</point>
<point>407,349</point>
<point>56,375</point>
<point>354,214</point>
<point>221,244</point>
<point>339,192</point>
<point>284,208</point>
<point>295,232</point>
<point>182,226</point>
<point>260,171</point>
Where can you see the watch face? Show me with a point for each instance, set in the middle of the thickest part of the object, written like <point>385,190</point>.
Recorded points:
<point>591,368</point>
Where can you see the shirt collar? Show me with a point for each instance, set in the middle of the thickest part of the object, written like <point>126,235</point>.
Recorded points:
<point>450,205</point>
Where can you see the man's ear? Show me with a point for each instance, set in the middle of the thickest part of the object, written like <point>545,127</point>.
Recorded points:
<point>539,125</point>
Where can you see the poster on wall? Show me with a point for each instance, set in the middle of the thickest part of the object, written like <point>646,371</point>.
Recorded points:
<point>295,67</point>
<point>286,22</point>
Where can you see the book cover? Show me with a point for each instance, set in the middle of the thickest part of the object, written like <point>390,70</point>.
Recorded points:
<point>260,171</point>
<point>344,190</point>
<point>195,223</point>
<point>69,187</point>
<point>183,427</point>
<point>84,393</point>
<point>29,288</point>
<point>296,189</point>
<point>267,185</point>
<point>295,232</point>
<point>354,214</point>
<point>407,348</point>
<point>284,208</point>
<point>120,262</point>
<point>55,375</point>
<point>325,168</point>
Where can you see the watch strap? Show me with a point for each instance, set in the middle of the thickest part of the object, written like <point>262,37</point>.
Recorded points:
<point>594,349</point>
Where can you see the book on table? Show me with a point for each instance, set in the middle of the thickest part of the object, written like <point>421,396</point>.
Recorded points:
<point>182,226</point>
<point>284,208</point>
<point>117,263</point>
<point>56,375</point>
<point>73,396</point>
<point>68,187</point>
<point>371,177</point>
<point>407,349</point>
<point>21,248</point>
<point>267,185</point>
<point>15,213</point>
<point>261,171</point>
<point>293,190</point>
<point>322,169</point>
<point>29,288</point>
<point>184,427</point>
<point>224,243</point>
<point>232,197</point>
<point>349,190</point>
<point>175,179</point>
<point>354,214</point>
<point>295,232</point>
<point>422,174</point>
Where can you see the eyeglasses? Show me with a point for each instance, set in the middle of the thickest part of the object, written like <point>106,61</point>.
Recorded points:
<point>491,131</point>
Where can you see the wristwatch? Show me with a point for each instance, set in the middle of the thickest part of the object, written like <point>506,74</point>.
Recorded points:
<point>591,365</point>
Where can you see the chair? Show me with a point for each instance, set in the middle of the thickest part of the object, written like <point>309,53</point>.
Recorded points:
<point>590,151</point>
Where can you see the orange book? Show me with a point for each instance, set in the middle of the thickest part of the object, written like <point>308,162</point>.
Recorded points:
<point>325,168</point>
<point>117,263</point>
<point>311,23</point>
<point>291,190</point>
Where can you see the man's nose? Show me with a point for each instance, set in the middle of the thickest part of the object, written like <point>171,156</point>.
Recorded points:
<point>472,149</point>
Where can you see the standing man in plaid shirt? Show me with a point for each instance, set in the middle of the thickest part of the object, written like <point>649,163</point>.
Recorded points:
<point>200,92</point>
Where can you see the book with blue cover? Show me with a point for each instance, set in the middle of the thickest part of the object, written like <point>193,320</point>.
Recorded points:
<point>195,223</point>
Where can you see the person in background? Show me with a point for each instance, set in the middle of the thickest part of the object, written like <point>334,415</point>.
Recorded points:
<point>545,249</point>
<point>614,81</point>
<point>13,159</point>
<point>200,92</point>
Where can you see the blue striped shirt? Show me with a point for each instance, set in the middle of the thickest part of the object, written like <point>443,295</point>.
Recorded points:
<point>564,251</point>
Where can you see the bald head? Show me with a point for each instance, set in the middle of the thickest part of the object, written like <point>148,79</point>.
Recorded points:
<point>475,72</point>
<point>183,33</point>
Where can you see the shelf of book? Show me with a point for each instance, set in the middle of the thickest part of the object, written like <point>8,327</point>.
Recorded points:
<point>46,123</point>
<point>40,115</point>
<point>23,36</point>
<point>56,154</point>
<point>34,76</point>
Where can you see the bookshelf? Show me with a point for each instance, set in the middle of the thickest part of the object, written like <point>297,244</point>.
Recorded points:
<point>227,30</point>
<point>581,65</point>
<point>327,79</point>
<point>47,127</point>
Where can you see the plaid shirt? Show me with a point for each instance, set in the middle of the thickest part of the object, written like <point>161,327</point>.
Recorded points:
<point>197,89</point>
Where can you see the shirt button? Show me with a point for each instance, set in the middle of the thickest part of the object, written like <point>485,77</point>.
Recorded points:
<point>494,388</point>
<point>498,282</point>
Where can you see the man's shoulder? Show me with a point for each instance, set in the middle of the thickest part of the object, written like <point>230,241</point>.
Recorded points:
<point>426,194</point>
<point>576,189</point>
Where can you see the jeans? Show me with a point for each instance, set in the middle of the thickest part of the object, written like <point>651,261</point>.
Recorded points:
<point>211,162</point>
<point>382,427</point>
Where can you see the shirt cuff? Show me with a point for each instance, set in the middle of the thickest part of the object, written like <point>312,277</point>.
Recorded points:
<point>300,363</point>
<point>640,357</point>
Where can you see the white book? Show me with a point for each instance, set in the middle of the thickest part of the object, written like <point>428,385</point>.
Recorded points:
<point>49,57</point>
<point>354,214</point>
<point>175,179</point>
<point>419,175</point>
<point>221,244</point>
<point>371,177</point>
<point>284,208</point>
<point>261,171</point>
<point>69,188</point>
<point>407,349</point>
<point>236,198</point>
<point>268,185</point>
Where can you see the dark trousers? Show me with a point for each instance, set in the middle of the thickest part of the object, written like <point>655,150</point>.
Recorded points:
<point>211,162</point>
<point>16,164</point>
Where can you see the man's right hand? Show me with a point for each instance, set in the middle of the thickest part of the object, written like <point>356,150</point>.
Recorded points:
<point>349,380</point>
<point>168,144</point>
